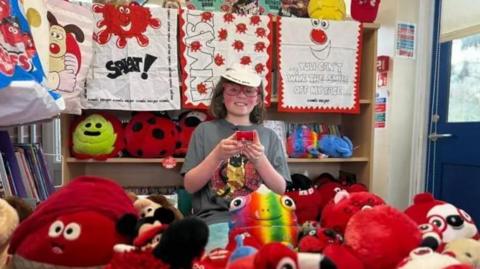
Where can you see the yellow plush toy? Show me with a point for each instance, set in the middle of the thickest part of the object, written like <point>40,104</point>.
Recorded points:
<point>327,9</point>
<point>467,251</point>
<point>8,222</point>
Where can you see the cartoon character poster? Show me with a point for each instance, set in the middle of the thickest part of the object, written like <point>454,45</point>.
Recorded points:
<point>70,50</point>
<point>18,57</point>
<point>319,65</point>
<point>212,41</point>
<point>135,65</point>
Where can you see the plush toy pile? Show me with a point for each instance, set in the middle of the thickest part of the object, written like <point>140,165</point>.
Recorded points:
<point>81,227</point>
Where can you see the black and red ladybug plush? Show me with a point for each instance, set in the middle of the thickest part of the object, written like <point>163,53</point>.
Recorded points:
<point>187,122</point>
<point>148,135</point>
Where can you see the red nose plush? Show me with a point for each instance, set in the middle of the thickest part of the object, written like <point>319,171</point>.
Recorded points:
<point>75,227</point>
<point>364,10</point>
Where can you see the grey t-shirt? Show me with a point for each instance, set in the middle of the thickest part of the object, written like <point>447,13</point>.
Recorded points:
<point>206,204</point>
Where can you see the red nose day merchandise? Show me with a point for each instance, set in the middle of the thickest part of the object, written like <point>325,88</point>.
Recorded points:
<point>364,10</point>
<point>211,42</point>
<point>319,65</point>
<point>75,227</point>
<point>70,50</point>
<point>135,65</point>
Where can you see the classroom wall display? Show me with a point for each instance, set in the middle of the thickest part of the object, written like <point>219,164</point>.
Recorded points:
<point>70,50</point>
<point>212,41</point>
<point>319,65</point>
<point>135,65</point>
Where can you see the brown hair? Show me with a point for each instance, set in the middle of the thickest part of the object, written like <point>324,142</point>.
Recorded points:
<point>218,110</point>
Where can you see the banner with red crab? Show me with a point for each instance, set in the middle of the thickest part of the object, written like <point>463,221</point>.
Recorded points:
<point>135,65</point>
<point>212,41</point>
<point>319,65</point>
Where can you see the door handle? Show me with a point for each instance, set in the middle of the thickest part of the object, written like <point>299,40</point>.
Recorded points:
<point>434,136</point>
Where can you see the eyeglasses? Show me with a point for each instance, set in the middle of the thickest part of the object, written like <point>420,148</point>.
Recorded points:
<point>235,89</point>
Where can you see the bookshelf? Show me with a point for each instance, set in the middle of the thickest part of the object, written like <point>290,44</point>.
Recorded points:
<point>131,172</point>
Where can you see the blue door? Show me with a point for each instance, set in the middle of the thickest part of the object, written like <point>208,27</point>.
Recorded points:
<point>454,142</point>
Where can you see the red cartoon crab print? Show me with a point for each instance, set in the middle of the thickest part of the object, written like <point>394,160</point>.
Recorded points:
<point>259,68</point>
<point>202,88</point>
<point>222,34</point>
<point>206,16</point>
<point>255,20</point>
<point>238,45</point>
<point>260,46</point>
<point>228,17</point>
<point>195,46</point>
<point>241,28</point>
<point>245,60</point>
<point>261,32</point>
<point>125,22</point>
<point>219,60</point>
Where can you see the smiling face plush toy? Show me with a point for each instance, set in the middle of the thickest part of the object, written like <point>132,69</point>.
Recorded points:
<point>75,227</point>
<point>97,136</point>
<point>452,222</point>
<point>265,215</point>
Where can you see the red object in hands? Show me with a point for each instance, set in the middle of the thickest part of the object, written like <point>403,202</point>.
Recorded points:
<point>364,10</point>
<point>244,135</point>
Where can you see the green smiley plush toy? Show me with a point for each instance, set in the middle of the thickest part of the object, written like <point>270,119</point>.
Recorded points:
<point>98,136</point>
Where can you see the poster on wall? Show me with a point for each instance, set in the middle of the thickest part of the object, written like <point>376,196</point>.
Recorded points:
<point>381,107</point>
<point>135,65</point>
<point>405,44</point>
<point>319,65</point>
<point>212,41</point>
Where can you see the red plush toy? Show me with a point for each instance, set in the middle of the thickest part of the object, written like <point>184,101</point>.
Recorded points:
<point>187,123</point>
<point>277,255</point>
<point>75,227</point>
<point>452,222</point>
<point>344,205</point>
<point>150,136</point>
<point>364,10</point>
<point>307,198</point>
<point>98,136</point>
<point>381,236</point>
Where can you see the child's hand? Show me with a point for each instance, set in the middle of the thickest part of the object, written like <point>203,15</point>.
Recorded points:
<point>255,150</point>
<point>228,147</point>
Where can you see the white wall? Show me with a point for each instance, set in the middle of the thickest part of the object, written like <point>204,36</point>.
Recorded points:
<point>393,145</point>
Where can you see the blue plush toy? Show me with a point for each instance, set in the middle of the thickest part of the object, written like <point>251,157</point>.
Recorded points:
<point>336,146</point>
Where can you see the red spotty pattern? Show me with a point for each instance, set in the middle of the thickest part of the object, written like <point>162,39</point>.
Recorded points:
<point>213,41</point>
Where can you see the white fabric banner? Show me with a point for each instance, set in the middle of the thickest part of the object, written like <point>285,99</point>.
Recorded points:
<point>70,50</point>
<point>135,65</point>
<point>213,41</point>
<point>319,65</point>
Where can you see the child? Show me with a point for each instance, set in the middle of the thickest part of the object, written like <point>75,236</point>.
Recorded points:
<point>214,153</point>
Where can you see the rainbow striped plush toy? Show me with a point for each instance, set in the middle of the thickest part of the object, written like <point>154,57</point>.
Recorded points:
<point>266,216</point>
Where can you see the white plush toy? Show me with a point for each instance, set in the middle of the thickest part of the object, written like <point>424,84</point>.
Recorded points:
<point>426,258</point>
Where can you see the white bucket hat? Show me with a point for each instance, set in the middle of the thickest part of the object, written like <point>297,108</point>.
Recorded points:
<point>243,75</point>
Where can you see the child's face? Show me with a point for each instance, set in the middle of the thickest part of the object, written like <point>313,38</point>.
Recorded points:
<point>239,99</point>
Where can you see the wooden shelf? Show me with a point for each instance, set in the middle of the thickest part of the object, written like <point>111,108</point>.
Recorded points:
<point>181,160</point>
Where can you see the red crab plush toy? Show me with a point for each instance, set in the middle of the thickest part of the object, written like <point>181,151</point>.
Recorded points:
<point>150,136</point>
<point>381,236</point>
<point>75,227</point>
<point>187,123</point>
<point>452,222</point>
<point>344,205</point>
